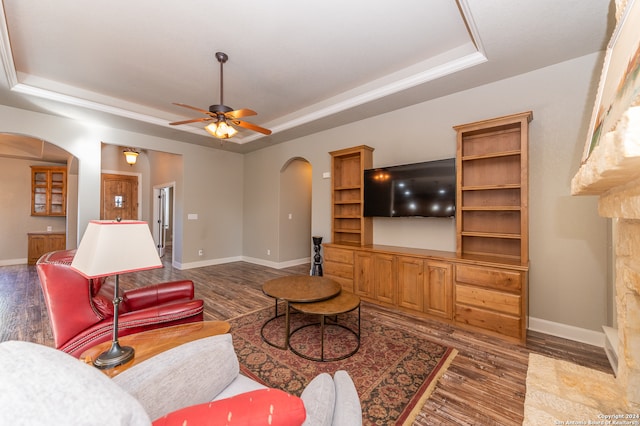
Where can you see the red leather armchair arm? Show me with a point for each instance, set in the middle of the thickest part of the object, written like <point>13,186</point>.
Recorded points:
<point>134,322</point>
<point>157,294</point>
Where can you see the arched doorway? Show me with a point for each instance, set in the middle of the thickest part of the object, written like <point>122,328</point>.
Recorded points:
<point>18,153</point>
<point>294,236</point>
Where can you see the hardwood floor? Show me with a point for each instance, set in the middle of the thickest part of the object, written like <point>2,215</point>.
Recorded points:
<point>485,384</point>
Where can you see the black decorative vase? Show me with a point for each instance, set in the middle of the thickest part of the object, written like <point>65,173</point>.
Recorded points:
<point>316,269</point>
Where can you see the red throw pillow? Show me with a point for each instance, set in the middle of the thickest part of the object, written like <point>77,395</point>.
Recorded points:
<point>271,407</point>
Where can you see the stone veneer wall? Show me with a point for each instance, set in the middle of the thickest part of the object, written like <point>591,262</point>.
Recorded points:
<point>612,171</point>
<point>628,304</point>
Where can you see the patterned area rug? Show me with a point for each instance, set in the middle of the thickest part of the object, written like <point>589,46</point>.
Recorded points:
<point>394,370</point>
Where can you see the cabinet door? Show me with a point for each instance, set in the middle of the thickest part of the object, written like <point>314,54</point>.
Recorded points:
<point>37,247</point>
<point>363,274</point>
<point>39,192</point>
<point>56,242</point>
<point>48,191</point>
<point>58,193</point>
<point>384,279</point>
<point>410,282</point>
<point>438,289</point>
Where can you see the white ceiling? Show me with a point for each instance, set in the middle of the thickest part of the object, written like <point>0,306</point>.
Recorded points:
<point>303,66</point>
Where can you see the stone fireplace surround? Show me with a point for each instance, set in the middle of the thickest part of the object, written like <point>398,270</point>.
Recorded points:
<point>559,392</point>
<point>612,172</point>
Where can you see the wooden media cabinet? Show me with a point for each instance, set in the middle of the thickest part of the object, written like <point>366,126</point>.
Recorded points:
<point>481,293</point>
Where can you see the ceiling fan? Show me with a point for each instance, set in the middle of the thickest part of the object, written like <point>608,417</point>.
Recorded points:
<point>223,117</point>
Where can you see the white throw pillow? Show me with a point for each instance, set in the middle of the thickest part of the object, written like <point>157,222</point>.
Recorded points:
<point>319,400</point>
<point>189,374</point>
<point>40,385</point>
<point>348,411</point>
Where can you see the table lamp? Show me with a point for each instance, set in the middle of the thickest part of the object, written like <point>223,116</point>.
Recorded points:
<point>114,248</point>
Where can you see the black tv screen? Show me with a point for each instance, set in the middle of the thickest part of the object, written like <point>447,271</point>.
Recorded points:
<point>422,189</point>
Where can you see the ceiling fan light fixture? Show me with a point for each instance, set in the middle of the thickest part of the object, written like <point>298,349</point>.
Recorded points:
<point>131,156</point>
<point>221,130</point>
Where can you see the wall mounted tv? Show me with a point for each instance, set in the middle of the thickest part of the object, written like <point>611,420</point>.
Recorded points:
<point>422,189</point>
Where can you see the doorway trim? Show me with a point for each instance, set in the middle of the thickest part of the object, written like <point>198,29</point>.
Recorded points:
<point>156,215</point>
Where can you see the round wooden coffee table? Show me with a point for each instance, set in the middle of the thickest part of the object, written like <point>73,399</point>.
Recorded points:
<point>297,289</point>
<point>341,304</point>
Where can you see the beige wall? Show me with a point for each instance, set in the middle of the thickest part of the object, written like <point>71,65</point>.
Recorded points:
<point>211,186</point>
<point>568,245</point>
<point>15,210</point>
<point>214,194</point>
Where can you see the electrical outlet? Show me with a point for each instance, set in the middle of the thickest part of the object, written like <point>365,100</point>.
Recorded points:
<point>268,252</point>
<point>200,252</point>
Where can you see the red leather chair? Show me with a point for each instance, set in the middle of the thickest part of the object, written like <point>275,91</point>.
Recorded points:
<point>81,310</point>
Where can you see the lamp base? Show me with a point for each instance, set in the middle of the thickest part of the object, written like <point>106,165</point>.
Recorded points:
<point>114,357</point>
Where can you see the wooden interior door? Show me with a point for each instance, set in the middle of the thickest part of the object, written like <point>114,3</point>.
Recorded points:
<point>119,197</point>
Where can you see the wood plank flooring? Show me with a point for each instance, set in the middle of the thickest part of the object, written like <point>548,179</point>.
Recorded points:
<point>485,384</point>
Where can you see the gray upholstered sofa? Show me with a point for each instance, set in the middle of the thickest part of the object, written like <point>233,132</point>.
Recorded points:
<point>41,385</point>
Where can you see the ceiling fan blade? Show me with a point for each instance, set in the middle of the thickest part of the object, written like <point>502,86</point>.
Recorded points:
<point>193,120</point>
<point>239,113</point>
<point>251,126</point>
<point>194,108</point>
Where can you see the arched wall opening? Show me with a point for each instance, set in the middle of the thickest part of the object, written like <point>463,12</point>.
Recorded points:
<point>294,221</point>
<point>18,152</point>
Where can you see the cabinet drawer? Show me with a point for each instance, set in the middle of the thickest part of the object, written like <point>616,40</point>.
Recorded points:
<point>338,255</point>
<point>488,299</point>
<point>489,277</point>
<point>342,270</point>
<point>347,284</point>
<point>504,324</point>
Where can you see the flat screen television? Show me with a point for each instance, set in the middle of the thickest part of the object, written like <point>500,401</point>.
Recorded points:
<point>425,189</point>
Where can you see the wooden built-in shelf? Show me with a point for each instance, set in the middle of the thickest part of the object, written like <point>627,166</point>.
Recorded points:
<point>490,155</point>
<point>491,235</point>
<point>492,208</point>
<point>492,187</point>
<point>483,285</point>
<point>348,225</point>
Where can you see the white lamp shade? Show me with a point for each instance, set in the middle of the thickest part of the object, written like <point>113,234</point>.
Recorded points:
<point>111,247</point>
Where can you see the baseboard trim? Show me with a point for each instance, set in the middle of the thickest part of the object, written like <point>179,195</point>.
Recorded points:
<point>203,263</point>
<point>9,262</point>
<point>276,265</point>
<point>254,260</point>
<point>565,331</point>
